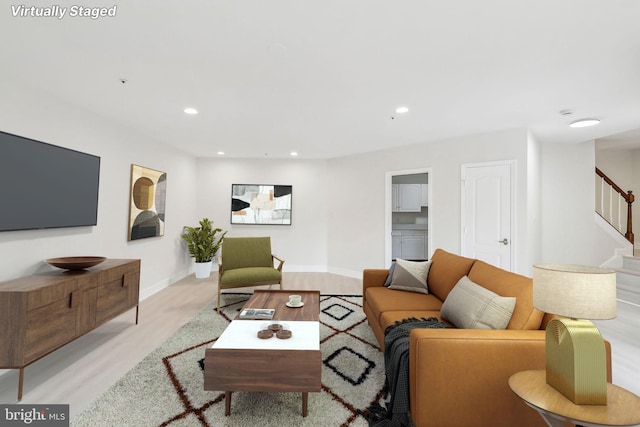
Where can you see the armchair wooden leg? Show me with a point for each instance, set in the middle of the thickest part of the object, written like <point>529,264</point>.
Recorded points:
<point>219,302</point>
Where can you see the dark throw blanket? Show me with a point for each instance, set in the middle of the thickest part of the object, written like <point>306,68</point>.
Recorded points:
<point>396,360</point>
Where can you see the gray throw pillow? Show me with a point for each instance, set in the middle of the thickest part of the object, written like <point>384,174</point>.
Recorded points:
<point>470,306</point>
<point>387,281</point>
<point>410,276</point>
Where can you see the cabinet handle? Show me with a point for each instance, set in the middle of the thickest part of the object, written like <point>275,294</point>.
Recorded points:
<point>126,279</point>
<point>504,241</point>
<point>74,299</point>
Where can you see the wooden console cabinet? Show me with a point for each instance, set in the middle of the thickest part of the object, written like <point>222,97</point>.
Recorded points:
<point>43,312</point>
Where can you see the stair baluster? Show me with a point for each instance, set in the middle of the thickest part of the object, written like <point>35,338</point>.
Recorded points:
<point>607,212</point>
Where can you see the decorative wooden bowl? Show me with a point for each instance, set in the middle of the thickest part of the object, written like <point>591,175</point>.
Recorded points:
<point>76,262</point>
<point>284,334</point>
<point>265,334</point>
<point>275,327</point>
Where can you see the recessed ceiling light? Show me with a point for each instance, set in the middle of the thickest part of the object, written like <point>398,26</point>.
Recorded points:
<point>294,153</point>
<point>190,110</point>
<point>584,123</point>
<point>402,110</point>
<point>220,153</point>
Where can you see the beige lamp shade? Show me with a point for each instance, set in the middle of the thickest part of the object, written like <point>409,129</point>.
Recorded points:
<point>575,291</point>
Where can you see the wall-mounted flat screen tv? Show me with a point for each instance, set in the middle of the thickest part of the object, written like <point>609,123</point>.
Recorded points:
<point>46,186</point>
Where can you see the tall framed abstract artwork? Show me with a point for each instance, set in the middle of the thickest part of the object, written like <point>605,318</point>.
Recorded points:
<point>147,203</point>
<point>261,204</point>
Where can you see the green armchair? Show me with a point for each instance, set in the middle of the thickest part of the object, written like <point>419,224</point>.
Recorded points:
<point>247,261</point>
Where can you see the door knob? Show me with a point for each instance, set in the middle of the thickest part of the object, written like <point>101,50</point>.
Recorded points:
<point>504,241</point>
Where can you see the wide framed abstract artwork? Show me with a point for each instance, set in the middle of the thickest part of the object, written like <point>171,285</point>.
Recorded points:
<point>147,203</point>
<point>261,204</point>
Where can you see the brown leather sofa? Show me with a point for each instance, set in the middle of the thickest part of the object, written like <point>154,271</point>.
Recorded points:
<point>459,377</point>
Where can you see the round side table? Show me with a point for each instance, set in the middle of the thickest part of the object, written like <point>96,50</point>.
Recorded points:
<point>622,408</point>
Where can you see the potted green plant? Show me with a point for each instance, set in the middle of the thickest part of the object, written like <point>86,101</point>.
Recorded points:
<point>203,242</point>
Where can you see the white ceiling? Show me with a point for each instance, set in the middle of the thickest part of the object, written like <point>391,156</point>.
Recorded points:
<point>324,77</point>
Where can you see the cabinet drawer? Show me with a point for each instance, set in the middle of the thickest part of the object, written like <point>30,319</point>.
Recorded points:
<point>86,305</point>
<point>45,296</point>
<point>89,281</point>
<point>414,233</point>
<point>117,272</point>
<point>61,290</point>
<point>48,328</point>
<point>117,296</point>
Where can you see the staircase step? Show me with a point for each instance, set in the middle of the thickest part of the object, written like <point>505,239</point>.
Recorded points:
<point>631,263</point>
<point>628,280</point>
<point>628,277</point>
<point>628,296</point>
<point>635,288</point>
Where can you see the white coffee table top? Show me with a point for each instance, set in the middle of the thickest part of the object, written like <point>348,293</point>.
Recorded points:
<point>242,334</point>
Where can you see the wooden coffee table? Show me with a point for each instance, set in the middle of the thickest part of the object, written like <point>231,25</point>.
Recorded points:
<point>240,361</point>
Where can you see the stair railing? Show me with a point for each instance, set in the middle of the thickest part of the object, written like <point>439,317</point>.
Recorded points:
<point>610,204</point>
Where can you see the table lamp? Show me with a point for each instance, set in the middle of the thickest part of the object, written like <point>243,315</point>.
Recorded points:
<point>575,351</point>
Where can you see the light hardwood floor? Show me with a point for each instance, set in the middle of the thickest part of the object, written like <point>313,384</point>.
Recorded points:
<point>81,371</point>
<point>624,334</point>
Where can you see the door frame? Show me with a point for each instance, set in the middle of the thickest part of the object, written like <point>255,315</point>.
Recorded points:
<point>388,214</point>
<point>512,224</point>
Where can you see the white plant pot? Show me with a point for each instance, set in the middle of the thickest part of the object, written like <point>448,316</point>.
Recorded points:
<point>203,269</point>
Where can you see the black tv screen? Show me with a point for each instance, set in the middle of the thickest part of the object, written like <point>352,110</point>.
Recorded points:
<point>46,186</point>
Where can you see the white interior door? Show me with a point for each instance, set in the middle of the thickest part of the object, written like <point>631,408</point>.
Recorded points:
<point>486,213</point>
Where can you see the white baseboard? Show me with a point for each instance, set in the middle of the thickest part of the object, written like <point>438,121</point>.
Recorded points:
<point>616,260</point>
<point>625,248</point>
<point>304,268</point>
<point>621,241</point>
<point>163,284</point>
<point>345,272</point>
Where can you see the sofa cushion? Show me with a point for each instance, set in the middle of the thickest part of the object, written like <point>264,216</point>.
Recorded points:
<point>251,275</point>
<point>410,276</point>
<point>381,299</point>
<point>446,269</point>
<point>470,306</point>
<point>507,284</point>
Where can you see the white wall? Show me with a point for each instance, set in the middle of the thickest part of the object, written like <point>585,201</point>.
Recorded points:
<point>303,244</point>
<point>617,165</point>
<point>164,259</point>
<point>356,202</point>
<point>338,204</point>
<point>533,251</point>
<point>569,231</point>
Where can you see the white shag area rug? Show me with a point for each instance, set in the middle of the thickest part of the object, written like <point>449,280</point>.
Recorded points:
<point>166,387</point>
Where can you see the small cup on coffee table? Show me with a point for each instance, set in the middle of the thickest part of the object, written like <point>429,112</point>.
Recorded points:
<point>295,300</point>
